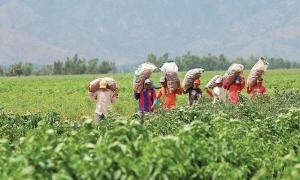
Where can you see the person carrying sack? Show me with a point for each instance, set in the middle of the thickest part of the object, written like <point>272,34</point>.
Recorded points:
<point>218,92</point>
<point>195,92</point>
<point>169,98</point>
<point>104,98</point>
<point>147,99</point>
<point>235,88</point>
<point>257,89</point>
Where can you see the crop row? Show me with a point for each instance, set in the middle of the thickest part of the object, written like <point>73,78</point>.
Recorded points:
<point>257,139</point>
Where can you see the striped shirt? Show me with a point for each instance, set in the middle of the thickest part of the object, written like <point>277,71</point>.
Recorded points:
<point>146,99</point>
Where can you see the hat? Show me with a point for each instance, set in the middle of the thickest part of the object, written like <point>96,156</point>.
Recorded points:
<point>197,81</point>
<point>103,84</point>
<point>162,79</point>
<point>147,81</point>
<point>218,80</point>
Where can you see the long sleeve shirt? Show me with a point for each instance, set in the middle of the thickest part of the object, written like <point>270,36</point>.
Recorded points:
<point>104,100</point>
<point>146,99</point>
<point>169,99</point>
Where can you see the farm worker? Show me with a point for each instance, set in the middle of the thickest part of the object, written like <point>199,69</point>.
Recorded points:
<point>169,98</point>
<point>218,92</point>
<point>147,99</point>
<point>257,89</point>
<point>235,88</point>
<point>195,92</point>
<point>104,98</point>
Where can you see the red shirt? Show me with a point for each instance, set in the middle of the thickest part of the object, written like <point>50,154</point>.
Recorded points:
<point>258,89</point>
<point>234,90</point>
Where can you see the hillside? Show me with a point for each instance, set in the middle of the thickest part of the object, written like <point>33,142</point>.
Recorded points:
<point>43,31</point>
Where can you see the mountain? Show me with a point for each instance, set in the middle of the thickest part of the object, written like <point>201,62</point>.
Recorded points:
<point>126,31</point>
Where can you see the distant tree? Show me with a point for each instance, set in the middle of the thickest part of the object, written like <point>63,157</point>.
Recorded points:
<point>239,60</point>
<point>114,67</point>
<point>27,69</point>
<point>106,66</point>
<point>43,70</point>
<point>222,62</point>
<point>58,67</point>
<point>162,59</point>
<point>151,58</point>
<point>16,69</point>
<point>75,65</point>
<point>1,71</point>
<point>92,66</point>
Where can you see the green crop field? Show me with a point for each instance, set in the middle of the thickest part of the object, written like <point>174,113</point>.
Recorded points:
<point>47,132</point>
<point>68,94</point>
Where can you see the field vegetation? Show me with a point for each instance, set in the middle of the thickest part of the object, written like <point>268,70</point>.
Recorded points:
<point>47,132</point>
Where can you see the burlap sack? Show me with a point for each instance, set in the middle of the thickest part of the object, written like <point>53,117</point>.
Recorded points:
<point>256,72</point>
<point>190,77</point>
<point>95,84</point>
<point>212,83</point>
<point>233,71</point>
<point>142,73</point>
<point>170,69</point>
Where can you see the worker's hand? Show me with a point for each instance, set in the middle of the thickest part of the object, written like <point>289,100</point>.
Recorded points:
<point>152,108</point>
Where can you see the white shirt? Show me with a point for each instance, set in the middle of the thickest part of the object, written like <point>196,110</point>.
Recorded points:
<point>105,98</point>
<point>219,94</point>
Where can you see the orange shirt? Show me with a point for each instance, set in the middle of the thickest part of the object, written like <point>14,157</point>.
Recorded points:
<point>169,98</point>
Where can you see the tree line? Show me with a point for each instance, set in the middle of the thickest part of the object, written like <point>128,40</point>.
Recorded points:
<point>217,62</point>
<point>75,65</point>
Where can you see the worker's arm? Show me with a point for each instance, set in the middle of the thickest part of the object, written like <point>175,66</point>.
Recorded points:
<point>178,91</point>
<point>264,90</point>
<point>243,83</point>
<point>159,94</point>
<point>249,90</point>
<point>136,96</point>
<point>155,101</point>
<point>225,84</point>
<point>209,92</point>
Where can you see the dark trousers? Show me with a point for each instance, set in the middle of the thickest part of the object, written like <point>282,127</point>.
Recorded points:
<point>142,115</point>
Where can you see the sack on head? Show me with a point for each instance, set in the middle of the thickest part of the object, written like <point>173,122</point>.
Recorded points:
<point>257,72</point>
<point>142,73</point>
<point>190,77</point>
<point>170,69</point>
<point>95,84</point>
<point>213,82</point>
<point>233,71</point>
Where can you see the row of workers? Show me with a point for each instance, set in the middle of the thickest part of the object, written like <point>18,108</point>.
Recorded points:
<point>148,98</point>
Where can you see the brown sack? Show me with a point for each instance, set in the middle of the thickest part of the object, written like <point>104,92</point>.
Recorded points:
<point>170,69</point>
<point>256,72</point>
<point>190,77</point>
<point>173,81</point>
<point>95,84</point>
<point>142,73</point>
<point>212,83</point>
<point>233,71</point>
